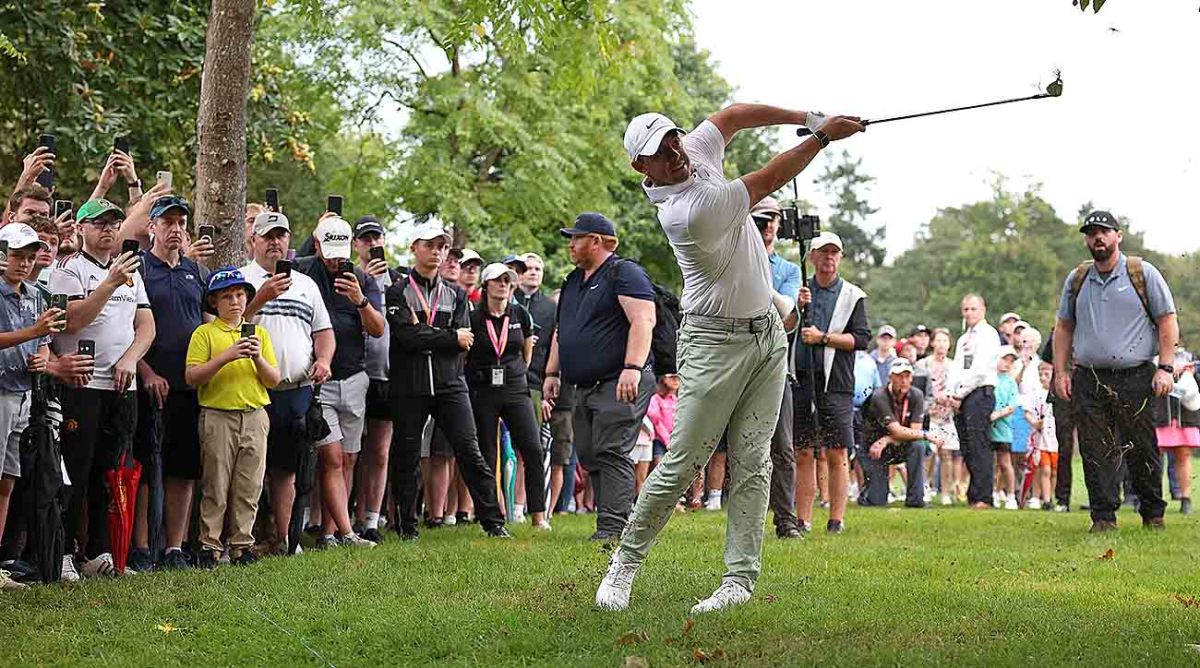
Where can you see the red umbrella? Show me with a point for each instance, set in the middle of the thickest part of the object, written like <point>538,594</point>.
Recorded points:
<point>122,482</point>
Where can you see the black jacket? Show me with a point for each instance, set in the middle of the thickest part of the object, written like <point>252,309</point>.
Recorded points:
<point>425,358</point>
<point>841,376</point>
<point>543,312</point>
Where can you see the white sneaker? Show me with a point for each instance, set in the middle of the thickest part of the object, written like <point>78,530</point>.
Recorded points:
<point>1060,508</point>
<point>852,490</point>
<point>518,516</point>
<point>714,501</point>
<point>354,540</point>
<point>9,584</point>
<point>613,592</point>
<point>946,500</point>
<point>1034,504</point>
<point>449,521</point>
<point>1011,504</point>
<point>542,526</point>
<point>69,574</point>
<point>727,595</point>
<point>101,566</point>
<point>998,500</point>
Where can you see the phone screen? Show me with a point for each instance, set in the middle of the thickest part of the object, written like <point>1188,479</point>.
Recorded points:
<point>61,206</point>
<point>334,204</point>
<point>376,253</point>
<point>131,246</point>
<point>208,231</point>
<point>121,144</point>
<point>247,330</point>
<point>283,267</point>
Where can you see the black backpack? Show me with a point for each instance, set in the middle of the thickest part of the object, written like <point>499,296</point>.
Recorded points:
<point>665,336</point>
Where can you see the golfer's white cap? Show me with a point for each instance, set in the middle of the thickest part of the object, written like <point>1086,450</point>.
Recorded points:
<point>496,270</point>
<point>1007,351</point>
<point>646,132</point>
<point>826,239</point>
<point>901,365</point>
<point>334,236</point>
<point>429,232</point>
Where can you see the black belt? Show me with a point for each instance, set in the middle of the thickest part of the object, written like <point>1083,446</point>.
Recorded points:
<point>1116,373</point>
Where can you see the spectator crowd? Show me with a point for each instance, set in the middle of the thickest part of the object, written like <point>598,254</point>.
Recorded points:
<point>319,394</point>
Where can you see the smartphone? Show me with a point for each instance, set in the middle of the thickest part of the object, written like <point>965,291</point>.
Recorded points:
<point>46,178</point>
<point>121,144</point>
<point>247,330</point>
<point>58,300</point>
<point>334,204</point>
<point>376,253</point>
<point>283,267</point>
<point>273,199</point>
<point>87,347</point>
<point>165,179</point>
<point>61,206</point>
<point>3,249</point>
<point>207,231</point>
<point>346,267</point>
<point>131,246</point>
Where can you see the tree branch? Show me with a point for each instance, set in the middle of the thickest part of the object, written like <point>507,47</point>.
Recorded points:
<point>413,56</point>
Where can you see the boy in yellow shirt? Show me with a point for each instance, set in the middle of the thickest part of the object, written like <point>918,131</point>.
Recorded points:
<point>231,364</point>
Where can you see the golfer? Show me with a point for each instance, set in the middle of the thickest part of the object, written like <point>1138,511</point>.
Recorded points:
<point>732,346</point>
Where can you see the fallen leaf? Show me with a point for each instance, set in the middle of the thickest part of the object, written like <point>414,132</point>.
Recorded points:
<point>1108,555</point>
<point>700,655</point>
<point>167,628</point>
<point>1188,601</point>
<point>771,598</point>
<point>687,627</point>
<point>633,638</point>
<point>635,662</point>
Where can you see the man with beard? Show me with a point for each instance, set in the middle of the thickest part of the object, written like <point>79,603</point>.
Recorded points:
<point>1115,314</point>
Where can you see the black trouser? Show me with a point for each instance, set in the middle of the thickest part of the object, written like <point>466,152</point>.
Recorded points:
<point>605,432</point>
<point>97,427</point>
<point>490,406</point>
<point>783,460</point>
<point>1064,431</point>
<point>1112,411</point>
<point>452,413</point>
<point>974,424</point>
<point>875,471</point>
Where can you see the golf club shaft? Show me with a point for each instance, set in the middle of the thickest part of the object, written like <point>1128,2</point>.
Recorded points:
<point>805,131</point>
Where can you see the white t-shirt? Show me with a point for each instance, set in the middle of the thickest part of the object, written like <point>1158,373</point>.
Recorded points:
<point>726,271</point>
<point>291,319</point>
<point>77,276</point>
<point>1047,438</point>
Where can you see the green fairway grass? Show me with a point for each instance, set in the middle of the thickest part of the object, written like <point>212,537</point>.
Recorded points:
<point>900,587</point>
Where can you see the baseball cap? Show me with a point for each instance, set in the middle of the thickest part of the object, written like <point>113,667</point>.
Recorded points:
<point>1100,219</point>
<point>1007,351</point>
<point>887,330</point>
<point>919,329</point>
<point>94,208</point>
<point>165,204</point>
<point>645,132</point>
<point>516,262</point>
<point>367,225</point>
<point>334,235</point>
<point>1009,316</point>
<point>766,207</point>
<point>526,257</point>
<point>590,223</point>
<point>1021,324</point>
<point>226,277</point>
<point>900,365</point>
<point>496,270</point>
<point>20,235</point>
<point>466,255</point>
<point>270,220</point>
<point>430,231</point>
<point>825,239</point>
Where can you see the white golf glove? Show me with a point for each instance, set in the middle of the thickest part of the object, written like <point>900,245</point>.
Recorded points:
<point>814,120</point>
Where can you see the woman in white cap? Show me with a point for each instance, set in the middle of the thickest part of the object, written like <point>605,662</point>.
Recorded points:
<point>497,371</point>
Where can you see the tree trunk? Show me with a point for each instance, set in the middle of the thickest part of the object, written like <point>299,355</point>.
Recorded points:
<point>221,128</point>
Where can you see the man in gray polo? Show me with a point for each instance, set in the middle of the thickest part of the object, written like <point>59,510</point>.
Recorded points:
<point>732,347</point>
<point>1111,324</point>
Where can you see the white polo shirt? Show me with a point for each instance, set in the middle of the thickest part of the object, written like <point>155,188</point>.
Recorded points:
<point>291,319</point>
<point>77,276</point>
<point>726,271</point>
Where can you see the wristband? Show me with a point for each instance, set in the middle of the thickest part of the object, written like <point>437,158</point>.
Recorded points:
<point>634,367</point>
<point>137,184</point>
<point>1167,367</point>
<point>551,374</point>
<point>821,137</point>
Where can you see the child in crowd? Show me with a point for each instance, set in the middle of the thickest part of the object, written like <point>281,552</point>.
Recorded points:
<point>1002,429</point>
<point>642,454</point>
<point>1040,414</point>
<point>231,368</point>
<point>25,327</point>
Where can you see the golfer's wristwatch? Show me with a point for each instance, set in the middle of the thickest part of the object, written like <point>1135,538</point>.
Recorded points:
<point>820,136</point>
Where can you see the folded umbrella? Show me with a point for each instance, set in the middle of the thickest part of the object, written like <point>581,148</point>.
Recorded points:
<point>122,483</point>
<point>154,478</point>
<point>509,467</point>
<point>47,536</point>
<point>547,438</point>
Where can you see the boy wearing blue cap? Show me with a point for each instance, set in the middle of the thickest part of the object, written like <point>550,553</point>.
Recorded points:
<point>231,363</point>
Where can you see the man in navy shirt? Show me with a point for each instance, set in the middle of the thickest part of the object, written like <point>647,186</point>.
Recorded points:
<point>602,347</point>
<point>175,287</point>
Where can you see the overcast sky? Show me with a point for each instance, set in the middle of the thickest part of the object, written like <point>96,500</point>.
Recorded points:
<point>1124,134</point>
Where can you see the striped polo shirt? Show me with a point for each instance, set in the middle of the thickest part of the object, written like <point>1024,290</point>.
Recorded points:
<point>291,319</point>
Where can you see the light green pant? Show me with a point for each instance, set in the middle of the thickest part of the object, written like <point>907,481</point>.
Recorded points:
<point>727,378</point>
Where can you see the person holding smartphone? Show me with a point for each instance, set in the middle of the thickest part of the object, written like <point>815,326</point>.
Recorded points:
<point>107,305</point>
<point>119,164</point>
<point>25,327</point>
<point>356,311</point>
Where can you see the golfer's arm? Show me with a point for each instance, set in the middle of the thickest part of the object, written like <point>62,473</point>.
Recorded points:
<point>640,313</point>
<point>1168,337</point>
<point>780,170</point>
<point>741,116</point>
<point>1064,335</point>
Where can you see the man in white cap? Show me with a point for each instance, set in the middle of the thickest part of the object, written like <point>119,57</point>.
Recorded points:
<point>732,346</point>
<point>823,365</point>
<point>356,312</point>
<point>1008,323</point>
<point>290,307</point>
<point>430,329</point>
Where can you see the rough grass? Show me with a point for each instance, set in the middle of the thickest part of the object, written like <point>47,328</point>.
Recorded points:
<point>901,587</point>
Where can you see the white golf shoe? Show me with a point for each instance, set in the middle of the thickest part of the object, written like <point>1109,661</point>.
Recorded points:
<point>613,593</point>
<point>727,595</point>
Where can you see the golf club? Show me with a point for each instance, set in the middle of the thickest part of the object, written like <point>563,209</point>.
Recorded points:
<point>1055,89</point>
